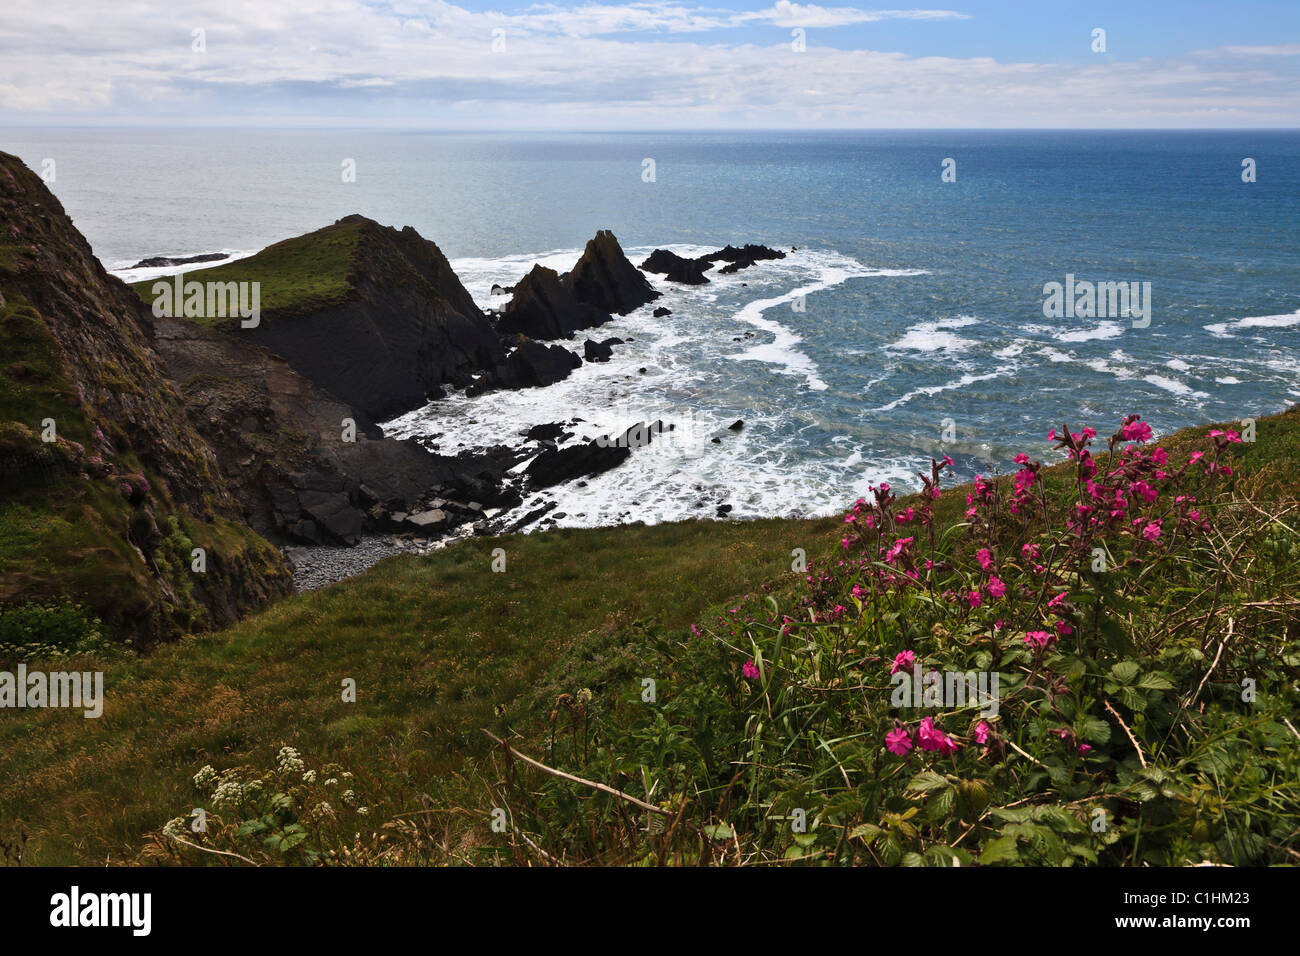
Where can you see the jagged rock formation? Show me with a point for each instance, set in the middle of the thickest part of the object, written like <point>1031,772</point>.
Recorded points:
<point>677,269</point>
<point>543,307</point>
<point>604,277</point>
<point>111,485</point>
<point>530,365</point>
<point>743,258</point>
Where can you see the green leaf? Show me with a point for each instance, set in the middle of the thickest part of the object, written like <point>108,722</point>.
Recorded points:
<point>866,833</point>
<point>1125,672</point>
<point>1155,681</point>
<point>1095,730</point>
<point>925,781</point>
<point>718,831</point>
<point>1001,850</point>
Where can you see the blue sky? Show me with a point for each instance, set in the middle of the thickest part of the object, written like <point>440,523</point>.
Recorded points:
<point>656,64</point>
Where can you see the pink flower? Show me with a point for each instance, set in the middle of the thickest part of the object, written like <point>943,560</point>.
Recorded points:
<point>903,661</point>
<point>1055,602</point>
<point>749,670</point>
<point>982,732</point>
<point>1084,748</point>
<point>1039,639</point>
<point>898,741</point>
<point>1152,531</point>
<point>984,557</point>
<point>1063,628</point>
<point>996,587</point>
<point>1136,431</point>
<point>973,599</point>
<point>932,738</point>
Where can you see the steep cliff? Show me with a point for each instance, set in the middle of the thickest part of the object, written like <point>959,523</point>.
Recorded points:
<point>111,499</point>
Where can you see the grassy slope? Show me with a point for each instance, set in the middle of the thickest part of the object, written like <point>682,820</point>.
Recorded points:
<point>297,275</point>
<point>439,646</point>
<point>436,644</point>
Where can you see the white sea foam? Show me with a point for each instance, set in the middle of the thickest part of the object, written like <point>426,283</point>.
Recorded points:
<point>936,336</point>
<point>968,379</point>
<point>781,463</point>
<point>1226,329</point>
<point>1106,330</point>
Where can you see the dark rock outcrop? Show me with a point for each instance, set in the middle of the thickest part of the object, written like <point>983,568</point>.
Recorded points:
<point>677,269</point>
<point>300,473</point>
<point>553,466</point>
<point>543,307</point>
<point>530,365</point>
<point>604,277</point>
<point>594,351</point>
<point>742,258</point>
<point>660,312</point>
<point>159,262</point>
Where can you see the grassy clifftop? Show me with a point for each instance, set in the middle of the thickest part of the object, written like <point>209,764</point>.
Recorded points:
<point>296,276</point>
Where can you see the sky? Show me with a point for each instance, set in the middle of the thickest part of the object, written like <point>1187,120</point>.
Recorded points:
<point>662,64</point>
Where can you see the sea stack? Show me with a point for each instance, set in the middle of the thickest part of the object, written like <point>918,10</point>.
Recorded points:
<point>606,279</point>
<point>543,307</point>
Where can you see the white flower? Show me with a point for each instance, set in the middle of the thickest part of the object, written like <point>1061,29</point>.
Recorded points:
<point>228,793</point>
<point>205,777</point>
<point>177,826</point>
<point>309,776</point>
<point>332,782</point>
<point>289,760</point>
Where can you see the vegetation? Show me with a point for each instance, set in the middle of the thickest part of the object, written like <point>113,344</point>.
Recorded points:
<point>296,276</point>
<point>1142,718</point>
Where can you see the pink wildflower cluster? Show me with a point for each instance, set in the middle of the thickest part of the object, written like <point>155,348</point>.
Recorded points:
<point>927,736</point>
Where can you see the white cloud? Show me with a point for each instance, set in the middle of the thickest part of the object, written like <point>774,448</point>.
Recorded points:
<point>430,62</point>
<point>1283,49</point>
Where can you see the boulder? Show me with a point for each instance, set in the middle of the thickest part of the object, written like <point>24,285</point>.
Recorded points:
<point>660,312</point>
<point>598,351</point>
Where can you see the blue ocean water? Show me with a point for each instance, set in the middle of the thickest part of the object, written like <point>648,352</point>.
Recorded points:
<point>911,312</point>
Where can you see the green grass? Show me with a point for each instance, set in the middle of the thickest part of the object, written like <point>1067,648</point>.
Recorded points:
<point>439,646</point>
<point>296,276</point>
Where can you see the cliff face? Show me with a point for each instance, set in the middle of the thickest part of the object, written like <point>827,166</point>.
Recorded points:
<point>107,488</point>
<point>299,473</point>
<point>370,314</point>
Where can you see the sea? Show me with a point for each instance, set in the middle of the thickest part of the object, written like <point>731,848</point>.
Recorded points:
<point>907,320</point>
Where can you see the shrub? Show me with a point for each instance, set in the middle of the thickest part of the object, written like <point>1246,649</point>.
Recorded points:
<point>1129,610</point>
<point>43,631</point>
